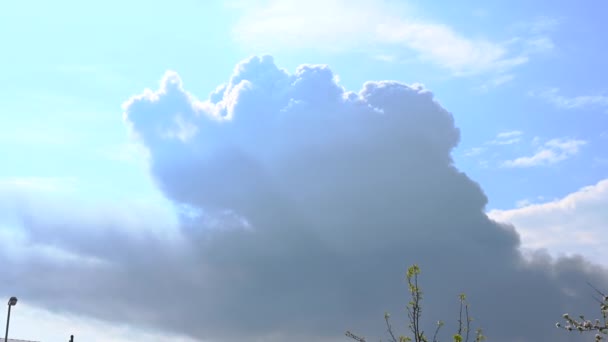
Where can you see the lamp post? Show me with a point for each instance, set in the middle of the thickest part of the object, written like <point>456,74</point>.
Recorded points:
<point>11,302</point>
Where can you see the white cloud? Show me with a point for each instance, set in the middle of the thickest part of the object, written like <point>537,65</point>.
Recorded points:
<point>37,184</point>
<point>502,138</point>
<point>360,25</point>
<point>509,134</point>
<point>540,44</point>
<point>528,201</point>
<point>536,39</point>
<point>575,223</point>
<point>553,97</point>
<point>542,25</point>
<point>474,151</point>
<point>551,152</point>
<point>547,153</point>
<point>385,58</point>
<point>443,46</point>
<point>496,81</point>
<point>507,138</point>
<point>523,203</point>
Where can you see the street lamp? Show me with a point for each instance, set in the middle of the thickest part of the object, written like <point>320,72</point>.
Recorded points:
<point>11,302</point>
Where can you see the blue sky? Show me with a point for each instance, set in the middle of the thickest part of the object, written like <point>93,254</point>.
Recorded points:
<point>525,82</point>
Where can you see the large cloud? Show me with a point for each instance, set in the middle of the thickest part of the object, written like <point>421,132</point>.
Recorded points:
<point>300,207</point>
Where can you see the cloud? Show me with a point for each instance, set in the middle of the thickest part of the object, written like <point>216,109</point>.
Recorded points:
<point>385,58</point>
<point>502,138</point>
<point>574,224</point>
<point>507,138</point>
<point>363,26</point>
<point>553,151</point>
<point>38,184</point>
<point>496,81</point>
<point>540,44</point>
<point>509,134</point>
<point>300,206</point>
<point>553,97</point>
<point>542,24</point>
<point>474,151</point>
<point>528,201</point>
<point>536,38</point>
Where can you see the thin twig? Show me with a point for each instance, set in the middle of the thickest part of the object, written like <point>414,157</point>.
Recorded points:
<point>416,309</point>
<point>596,290</point>
<point>355,337</point>
<point>460,317</point>
<point>439,325</point>
<point>466,308</point>
<point>389,328</point>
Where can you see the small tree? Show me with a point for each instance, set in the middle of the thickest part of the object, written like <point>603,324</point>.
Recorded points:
<point>414,312</point>
<point>583,325</point>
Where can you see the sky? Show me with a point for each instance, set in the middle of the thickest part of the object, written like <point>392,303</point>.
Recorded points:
<point>265,171</point>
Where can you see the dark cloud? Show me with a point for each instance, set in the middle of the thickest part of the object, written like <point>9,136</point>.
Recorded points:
<point>300,207</point>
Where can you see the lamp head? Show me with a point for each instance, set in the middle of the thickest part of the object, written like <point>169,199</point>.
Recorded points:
<point>12,301</point>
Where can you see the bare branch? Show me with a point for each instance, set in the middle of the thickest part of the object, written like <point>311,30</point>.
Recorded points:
<point>355,337</point>
<point>389,328</point>
<point>598,291</point>
<point>466,307</point>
